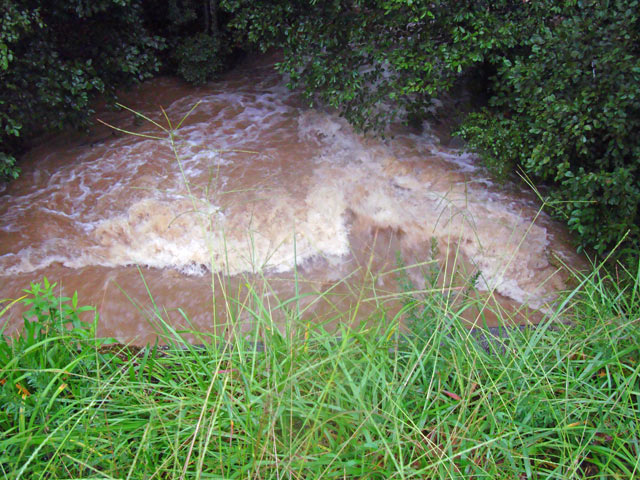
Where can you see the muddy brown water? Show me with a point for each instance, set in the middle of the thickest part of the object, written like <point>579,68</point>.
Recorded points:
<point>263,190</point>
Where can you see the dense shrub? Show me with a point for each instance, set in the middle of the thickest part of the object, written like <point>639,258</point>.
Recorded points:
<point>55,57</point>
<point>566,109</point>
<point>195,34</point>
<point>199,57</point>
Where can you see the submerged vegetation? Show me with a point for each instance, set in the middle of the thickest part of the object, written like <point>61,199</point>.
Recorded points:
<point>435,400</point>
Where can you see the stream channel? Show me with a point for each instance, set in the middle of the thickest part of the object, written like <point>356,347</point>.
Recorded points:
<point>262,184</point>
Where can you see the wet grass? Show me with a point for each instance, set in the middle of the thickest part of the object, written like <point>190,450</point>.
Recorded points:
<point>293,401</point>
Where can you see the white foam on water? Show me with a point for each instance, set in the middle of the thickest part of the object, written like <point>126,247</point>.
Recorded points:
<point>509,251</point>
<point>194,240</point>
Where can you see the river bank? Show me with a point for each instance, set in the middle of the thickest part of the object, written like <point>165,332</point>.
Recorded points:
<point>552,402</point>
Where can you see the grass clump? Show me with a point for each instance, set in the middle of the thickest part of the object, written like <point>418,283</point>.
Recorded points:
<point>557,401</point>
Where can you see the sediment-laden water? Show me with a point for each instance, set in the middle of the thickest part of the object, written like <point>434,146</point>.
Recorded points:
<point>256,184</point>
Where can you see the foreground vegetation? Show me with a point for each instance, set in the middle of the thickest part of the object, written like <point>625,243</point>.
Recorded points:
<point>439,401</point>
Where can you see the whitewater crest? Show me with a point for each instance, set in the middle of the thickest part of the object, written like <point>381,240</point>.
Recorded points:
<point>272,234</point>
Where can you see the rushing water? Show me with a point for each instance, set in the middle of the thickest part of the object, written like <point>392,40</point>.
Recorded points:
<point>261,184</point>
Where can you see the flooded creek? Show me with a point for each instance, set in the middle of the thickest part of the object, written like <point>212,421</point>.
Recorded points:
<point>257,190</point>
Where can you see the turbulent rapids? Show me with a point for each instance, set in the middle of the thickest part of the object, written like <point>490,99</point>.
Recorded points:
<point>257,185</point>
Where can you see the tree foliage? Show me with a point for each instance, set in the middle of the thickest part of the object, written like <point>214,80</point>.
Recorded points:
<point>562,81</point>
<point>56,56</point>
<point>195,34</point>
<point>566,110</point>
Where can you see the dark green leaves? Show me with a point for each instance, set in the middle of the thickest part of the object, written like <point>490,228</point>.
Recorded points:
<point>55,57</point>
<point>571,93</point>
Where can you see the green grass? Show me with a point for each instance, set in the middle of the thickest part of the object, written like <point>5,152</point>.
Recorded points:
<point>558,401</point>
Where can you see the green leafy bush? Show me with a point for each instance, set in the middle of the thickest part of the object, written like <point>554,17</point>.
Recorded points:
<point>8,167</point>
<point>566,110</point>
<point>199,58</point>
<point>46,363</point>
<point>55,57</point>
